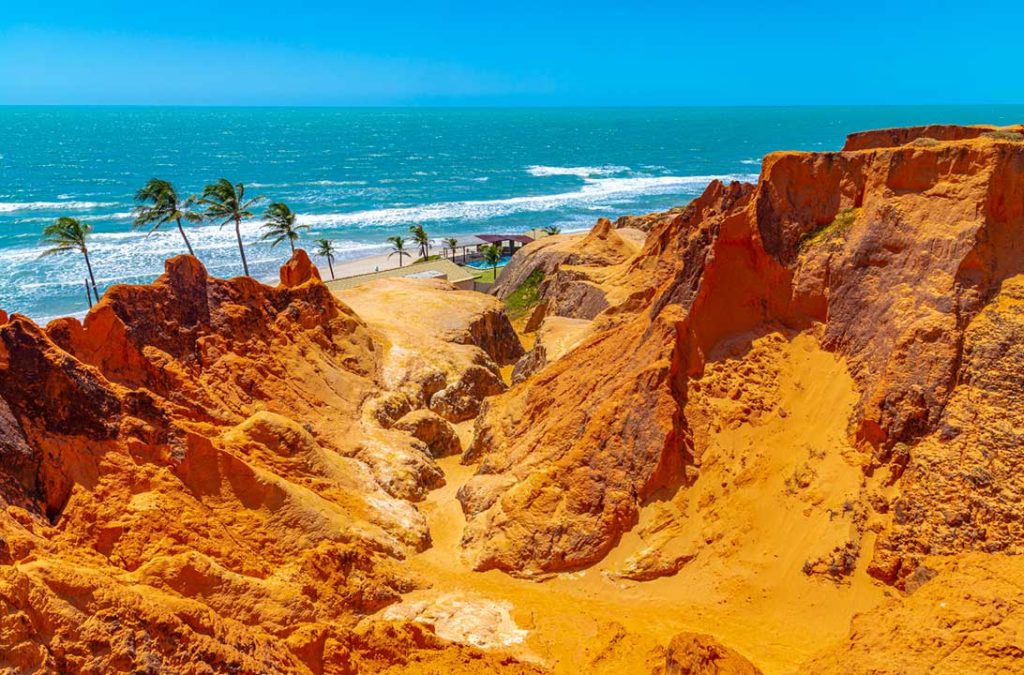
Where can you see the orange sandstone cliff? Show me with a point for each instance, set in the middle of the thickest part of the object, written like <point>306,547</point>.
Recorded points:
<point>775,430</point>
<point>195,480</point>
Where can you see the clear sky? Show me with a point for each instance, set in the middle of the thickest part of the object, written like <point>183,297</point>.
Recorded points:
<point>602,52</point>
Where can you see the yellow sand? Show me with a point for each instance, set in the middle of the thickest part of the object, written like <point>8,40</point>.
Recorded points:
<point>770,496</point>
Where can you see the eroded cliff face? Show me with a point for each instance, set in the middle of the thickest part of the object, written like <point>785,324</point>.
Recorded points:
<point>775,429</point>
<point>194,479</point>
<point>900,259</point>
<point>896,253</point>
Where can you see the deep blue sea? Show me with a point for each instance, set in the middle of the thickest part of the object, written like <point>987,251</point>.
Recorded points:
<point>359,175</point>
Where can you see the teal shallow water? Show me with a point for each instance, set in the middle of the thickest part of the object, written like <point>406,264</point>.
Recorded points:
<point>359,175</point>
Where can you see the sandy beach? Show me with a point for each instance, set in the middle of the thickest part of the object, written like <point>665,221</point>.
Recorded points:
<point>362,265</point>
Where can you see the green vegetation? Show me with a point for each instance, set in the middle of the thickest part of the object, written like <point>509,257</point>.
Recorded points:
<point>280,225</point>
<point>158,204</point>
<point>398,248</point>
<point>69,234</point>
<point>924,142</point>
<point>452,243</point>
<point>486,277</point>
<point>837,228</point>
<point>1004,135</point>
<point>551,229</point>
<point>325,249</point>
<point>492,254</point>
<point>421,239</point>
<point>225,202</point>
<point>526,296</point>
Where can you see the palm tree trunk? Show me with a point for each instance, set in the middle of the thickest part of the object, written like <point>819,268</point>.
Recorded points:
<point>291,243</point>
<point>241,248</point>
<point>92,278</point>
<point>330,265</point>
<point>187,245</point>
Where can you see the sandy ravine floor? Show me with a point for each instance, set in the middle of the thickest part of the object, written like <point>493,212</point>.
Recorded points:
<point>767,500</point>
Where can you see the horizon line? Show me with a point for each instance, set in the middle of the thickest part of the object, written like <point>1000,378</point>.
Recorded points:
<point>520,106</point>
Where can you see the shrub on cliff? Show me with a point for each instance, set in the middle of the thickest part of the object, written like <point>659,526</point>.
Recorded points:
<point>526,296</point>
<point>839,226</point>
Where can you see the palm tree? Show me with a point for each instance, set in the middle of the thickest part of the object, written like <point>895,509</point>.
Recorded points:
<point>158,204</point>
<point>452,243</point>
<point>398,248</point>
<point>420,237</point>
<point>226,203</point>
<point>326,250</point>
<point>551,229</point>
<point>281,225</point>
<point>69,234</point>
<point>492,254</point>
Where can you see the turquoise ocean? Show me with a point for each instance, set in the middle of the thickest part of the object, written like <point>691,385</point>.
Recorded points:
<point>359,175</point>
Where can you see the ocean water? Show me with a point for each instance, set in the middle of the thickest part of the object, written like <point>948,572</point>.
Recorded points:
<point>360,175</point>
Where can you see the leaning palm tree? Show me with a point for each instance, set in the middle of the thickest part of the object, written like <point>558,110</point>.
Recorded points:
<point>492,254</point>
<point>281,225</point>
<point>225,202</point>
<point>158,204</point>
<point>398,248</point>
<point>452,243</point>
<point>69,234</point>
<point>551,229</point>
<point>421,239</point>
<point>325,249</point>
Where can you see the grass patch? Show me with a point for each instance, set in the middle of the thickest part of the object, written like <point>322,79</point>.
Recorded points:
<point>1004,135</point>
<point>526,296</point>
<point>837,228</point>
<point>924,142</point>
<point>486,276</point>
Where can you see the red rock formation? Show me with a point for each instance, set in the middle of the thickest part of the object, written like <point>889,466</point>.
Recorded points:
<point>696,654</point>
<point>962,616</point>
<point>298,270</point>
<point>889,138</point>
<point>894,251</point>
<point>221,473</point>
<point>188,478</point>
<point>560,258</point>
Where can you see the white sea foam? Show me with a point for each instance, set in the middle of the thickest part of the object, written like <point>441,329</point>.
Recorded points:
<point>12,207</point>
<point>595,194</point>
<point>750,161</point>
<point>338,183</point>
<point>129,255</point>
<point>579,171</point>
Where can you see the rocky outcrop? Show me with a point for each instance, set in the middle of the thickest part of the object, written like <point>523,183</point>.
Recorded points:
<point>893,253</point>
<point>193,475</point>
<point>647,222</point>
<point>555,337</point>
<point>890,138</point>
<point>698,654</point>
<point>437,434</point>
<point>298,270</point>
<point>962,615</point>
<point>803,392</point>
<point>572,266</point>
<point>443,347</point>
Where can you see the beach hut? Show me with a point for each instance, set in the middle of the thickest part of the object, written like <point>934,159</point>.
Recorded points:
<point>509,243</point>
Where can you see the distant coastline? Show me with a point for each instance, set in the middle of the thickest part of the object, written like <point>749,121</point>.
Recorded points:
<point>357,176</point>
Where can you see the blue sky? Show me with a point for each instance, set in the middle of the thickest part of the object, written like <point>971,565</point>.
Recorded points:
<point>523,53</point>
